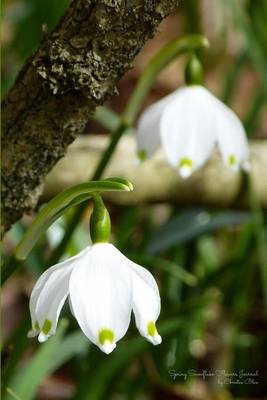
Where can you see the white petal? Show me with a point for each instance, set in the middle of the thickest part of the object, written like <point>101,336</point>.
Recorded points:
<point>108,347</point>
<point>70,306</point>
<point>231,138</point>
<point>48,296</point>
<point>101,295</point>
<point>148,128</point>
<point>146,302</point>
<point>51,301</point>
<point>187,128</point>
<point>185,170</point>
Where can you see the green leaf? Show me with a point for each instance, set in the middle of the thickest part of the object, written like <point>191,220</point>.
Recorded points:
<point>28,379</point>
<point>13,395</point>
<point>18,342</point>
<point>190,225</point>
<point>58,206</point>
<point>50,356</point>
<point>168,266</point>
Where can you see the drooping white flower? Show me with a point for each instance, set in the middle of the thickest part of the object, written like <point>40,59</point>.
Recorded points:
<point>103,288</point>
<point>187,124</point>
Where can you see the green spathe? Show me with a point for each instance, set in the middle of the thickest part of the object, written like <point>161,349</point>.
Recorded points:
<point>59,205</point>
<point>36,326</point>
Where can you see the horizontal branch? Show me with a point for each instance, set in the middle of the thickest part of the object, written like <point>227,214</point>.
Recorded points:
<point>154,180</point>
<point>75,69</point>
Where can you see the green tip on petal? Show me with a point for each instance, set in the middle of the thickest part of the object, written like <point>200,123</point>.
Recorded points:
<point>47,326</point>
<point>151,328</point>
<point>36,326</point>
<point>142,155</point>
<point>185,167</point>
<point>106,335</point>
<point>153,335</point>
<point>232,160</point>
<point>34,331</point>
<point>186,162</point>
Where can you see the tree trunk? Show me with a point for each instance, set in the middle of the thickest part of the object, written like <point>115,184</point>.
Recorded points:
<point>74,70</point>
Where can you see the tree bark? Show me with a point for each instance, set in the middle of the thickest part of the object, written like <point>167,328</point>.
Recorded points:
<point>74,70</point>
<point>155,181</point>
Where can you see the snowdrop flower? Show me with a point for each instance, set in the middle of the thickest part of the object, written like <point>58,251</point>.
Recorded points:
<point>188,124</point>
<point>103,287</point>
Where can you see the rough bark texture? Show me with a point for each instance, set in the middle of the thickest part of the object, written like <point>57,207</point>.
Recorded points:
<point>214,185</point>
<point>74,70</point>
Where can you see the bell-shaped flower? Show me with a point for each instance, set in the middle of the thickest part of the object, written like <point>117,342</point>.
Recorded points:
<point>187,124</point>
<point>103,287</point>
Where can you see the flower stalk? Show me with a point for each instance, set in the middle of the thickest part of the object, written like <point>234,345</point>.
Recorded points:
<point>194,71</point>
<point>100,225</point>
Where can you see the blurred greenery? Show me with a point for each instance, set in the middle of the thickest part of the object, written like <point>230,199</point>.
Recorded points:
<point>210,264</point>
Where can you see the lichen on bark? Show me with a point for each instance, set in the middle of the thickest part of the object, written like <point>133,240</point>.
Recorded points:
<point>75,69</point>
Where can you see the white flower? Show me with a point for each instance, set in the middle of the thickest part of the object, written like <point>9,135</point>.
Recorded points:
<point>103,287</point>
<point>188,123</point>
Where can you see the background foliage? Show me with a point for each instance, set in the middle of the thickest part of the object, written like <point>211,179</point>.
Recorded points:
<point>209,263</point>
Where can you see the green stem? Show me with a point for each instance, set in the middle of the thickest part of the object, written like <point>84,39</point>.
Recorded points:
<point>192,16</point>
<point>100,225</point>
